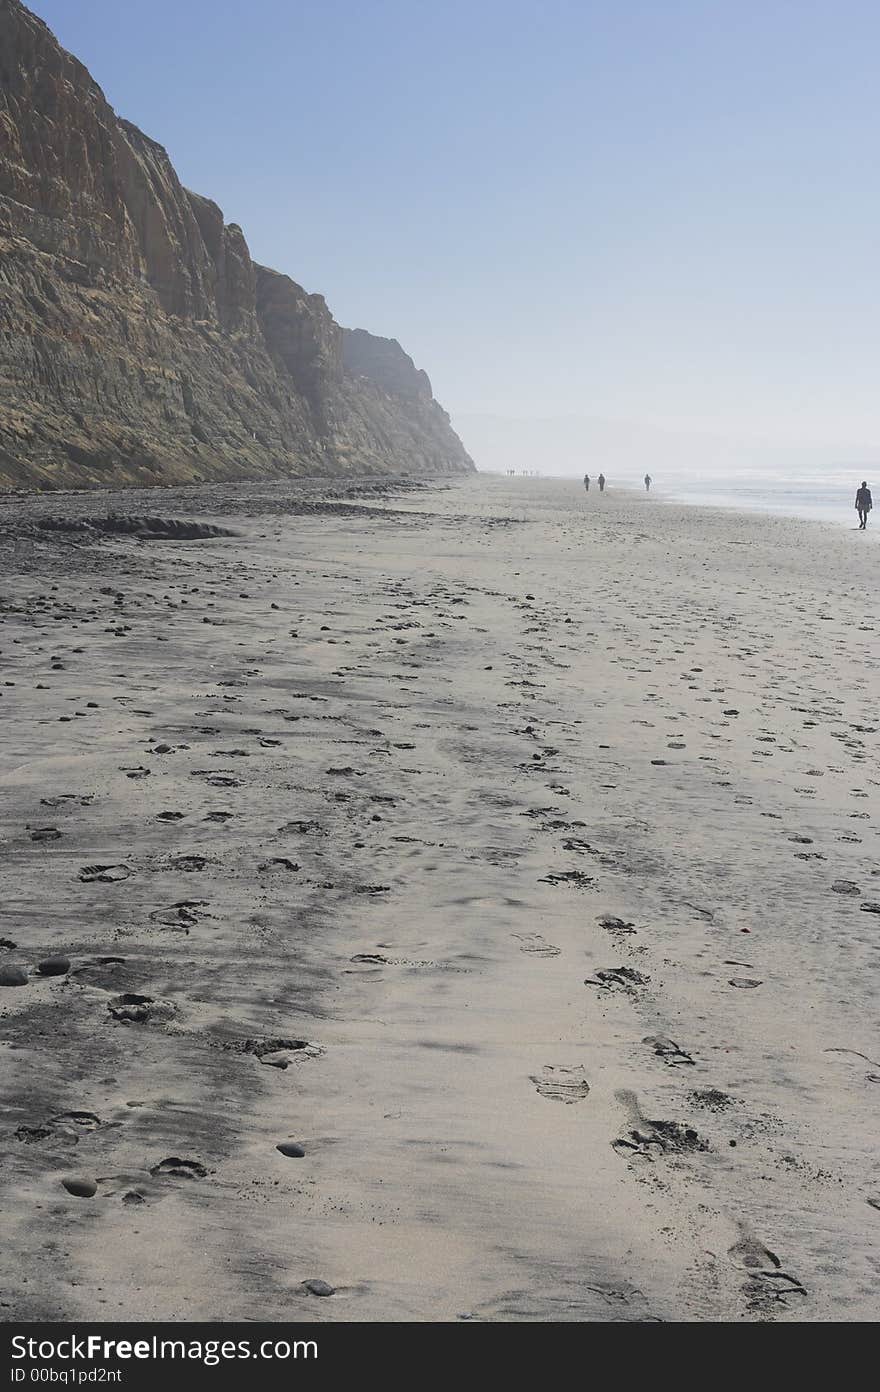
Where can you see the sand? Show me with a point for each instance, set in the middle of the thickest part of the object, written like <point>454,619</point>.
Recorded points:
<point>470,900</point>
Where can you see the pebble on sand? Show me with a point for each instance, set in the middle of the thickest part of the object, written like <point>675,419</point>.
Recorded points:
<point>81,1186</point>
<point>291,1149</point>
<point>11,975</point>
<point>319,1287</point>
<point>54,966</point>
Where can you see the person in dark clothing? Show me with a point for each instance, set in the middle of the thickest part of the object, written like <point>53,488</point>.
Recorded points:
<point>601,483</point>
<point>647,483</point>
<point>864,504</point>
<point>587,482</point>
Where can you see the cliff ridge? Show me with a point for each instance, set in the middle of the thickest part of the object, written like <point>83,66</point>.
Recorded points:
<point>139,341</point>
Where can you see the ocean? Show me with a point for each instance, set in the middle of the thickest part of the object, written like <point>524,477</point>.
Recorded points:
<point>831,503</point>
<point>829,497</point>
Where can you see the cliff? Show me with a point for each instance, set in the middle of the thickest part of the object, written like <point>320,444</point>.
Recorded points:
<point>139,342</point>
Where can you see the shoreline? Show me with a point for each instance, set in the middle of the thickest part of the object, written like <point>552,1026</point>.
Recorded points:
<point>838,519</point>
<point>837,516</point>
<point>338,488</point>
<point>484,846</point>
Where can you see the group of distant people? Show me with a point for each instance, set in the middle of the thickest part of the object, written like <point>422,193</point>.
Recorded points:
<point>601,480</point>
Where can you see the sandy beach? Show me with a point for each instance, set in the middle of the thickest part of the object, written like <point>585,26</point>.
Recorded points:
<point>508,856</point>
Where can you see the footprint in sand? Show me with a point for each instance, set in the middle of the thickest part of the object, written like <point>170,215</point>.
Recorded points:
<point>576,878</point>
<point>276,1053</point>
<point>99,970</point>
<point>647,1139</point>
<point>45,834</point>
<point>189,864</point>
<point>869,1077</point>
<point>131,1008</point>
<point>536,945</point>
<point>179,1169</point>
<point>752,1255</point>
<point>79,1121</point>
<point>303,828</point>
<point>768,1284</point>
<point>617,927</point>
<point>185,914</point>
<point>566,1085</point>
<point>33,1135</point>
<point>217,779</point>
<point>64,1129</point>
<point>710,1099</point>
<point>667,1049</point>
<point>104,874</point>
<point>617,979</point>
<point>133,1187</point>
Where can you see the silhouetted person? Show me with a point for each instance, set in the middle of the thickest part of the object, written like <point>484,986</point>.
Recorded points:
<point>587,482</point>
<point>647,483</point>
<point>864,503</point>
<point>601,483</point>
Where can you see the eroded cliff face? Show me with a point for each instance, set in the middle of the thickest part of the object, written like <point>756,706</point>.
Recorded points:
<point>139,343</point>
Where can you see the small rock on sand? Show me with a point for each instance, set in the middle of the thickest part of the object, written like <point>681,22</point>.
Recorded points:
<point>291,1150</point>
<point>81,1186</point>
<point>54,966</point>
<point>12,975</point>
<point>319,1288</point>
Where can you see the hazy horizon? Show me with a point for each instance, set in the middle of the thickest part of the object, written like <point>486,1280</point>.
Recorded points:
<point>660,216</point>
<point>572,445</point>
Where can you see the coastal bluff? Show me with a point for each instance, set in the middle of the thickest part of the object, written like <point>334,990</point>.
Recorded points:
<point>140,343</point>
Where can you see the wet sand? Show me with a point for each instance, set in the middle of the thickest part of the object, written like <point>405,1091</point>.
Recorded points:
<point>510,853</point>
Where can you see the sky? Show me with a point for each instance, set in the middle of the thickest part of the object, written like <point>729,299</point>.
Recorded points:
<point>661,214</point>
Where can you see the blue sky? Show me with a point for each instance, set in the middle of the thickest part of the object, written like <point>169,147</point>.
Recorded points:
<point>657,211</point>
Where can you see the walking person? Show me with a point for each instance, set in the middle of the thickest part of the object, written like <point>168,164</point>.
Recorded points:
<point>587,482</point>
<point>601,483</point>
<point>647,483</point>
<point>864,504</point>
